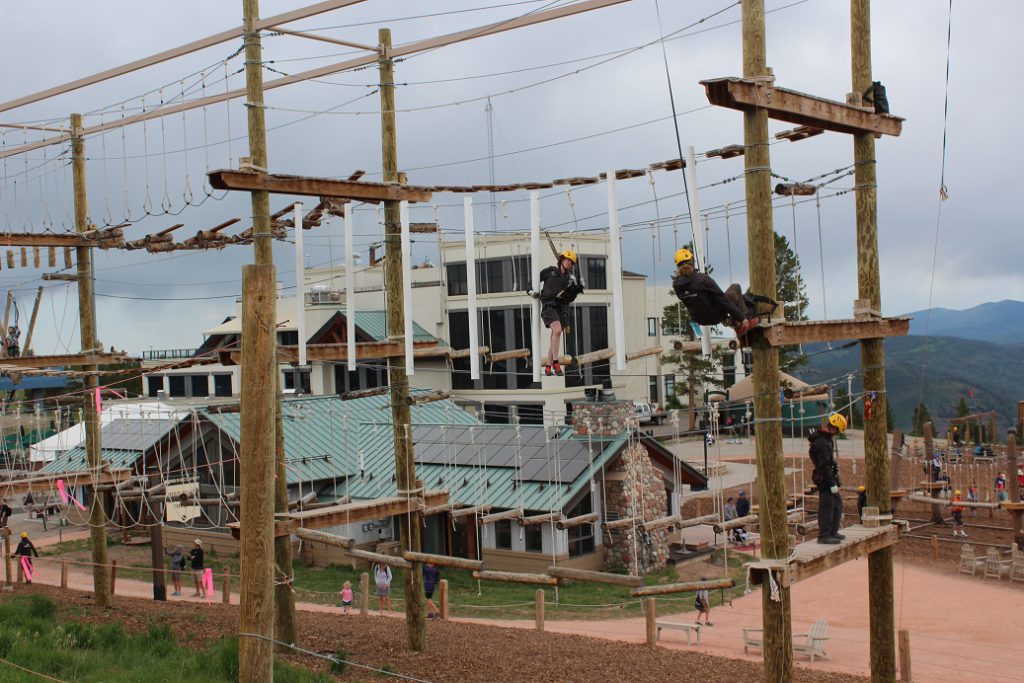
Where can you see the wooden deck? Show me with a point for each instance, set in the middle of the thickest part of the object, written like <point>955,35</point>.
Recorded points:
<point>807,331</point>
<point>811,558</point>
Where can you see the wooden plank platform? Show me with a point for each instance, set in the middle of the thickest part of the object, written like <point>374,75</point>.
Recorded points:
<point>65,360</point>
<point>807,331</point>
<point>317,187</point>
<point>783,104</point>
<point>339,352</point>
<point>811,558</point>
<point>18,487</point>
<point>109,238</point>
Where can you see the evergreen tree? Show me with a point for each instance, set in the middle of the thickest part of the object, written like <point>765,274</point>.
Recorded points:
<point>961,409</point>
<point>791,293</point>
<point>890,420</point>
<point>919,418</point>
<point>842,406</point>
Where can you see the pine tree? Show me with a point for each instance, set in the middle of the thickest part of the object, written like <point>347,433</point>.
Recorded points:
<point>890,419</point>
<point>791,293</point>
<point>919,418</point>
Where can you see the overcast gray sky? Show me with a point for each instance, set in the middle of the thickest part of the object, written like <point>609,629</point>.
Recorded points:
<point>808,47</point>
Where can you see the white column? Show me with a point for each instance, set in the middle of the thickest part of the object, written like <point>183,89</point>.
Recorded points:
<point>403,213</point>
<point>474,350</point>
<point>300,284</point>
<point>350,291</point>
<point>537,326</point>
<point>698,236</point>
<point>615,277</point>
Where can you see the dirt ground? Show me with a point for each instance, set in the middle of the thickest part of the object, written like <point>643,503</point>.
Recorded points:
<point>458,652</point>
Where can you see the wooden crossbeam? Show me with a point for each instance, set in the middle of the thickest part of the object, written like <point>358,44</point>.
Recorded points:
<point>339,352</point>
<point>18,487</point>
<point>798,133</point>
<point>783,104</point>
<point>595,577</point>
<point>661,523</point>
<point>622,523</point>
<point>66,360</point>
<point>726,152</point>
<point>579,520</point>
<point>540,519</point>
<point>499,356</point>
<point>109,238</point>
<point>316,187</point>
<point>649,351</point>
<point>807,331</point>
<point>683,587</point>
<point>515,513</point>
<point>444,560</point>
<point>515,577</point>
<point>325,538</point>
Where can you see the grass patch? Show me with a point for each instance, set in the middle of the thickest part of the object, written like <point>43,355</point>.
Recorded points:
<point>33,636</point>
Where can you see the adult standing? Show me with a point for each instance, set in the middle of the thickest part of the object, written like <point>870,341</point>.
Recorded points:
<point>826,478</point>
<point>431,577</point>
<point>177,567</point>
<point>382,579</point>
<point>195,557</point>
<point>5,512</point>
<point>26,550</point>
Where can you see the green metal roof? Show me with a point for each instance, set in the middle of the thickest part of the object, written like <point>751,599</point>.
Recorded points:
<point>375,324</point>
<point>76,460</point>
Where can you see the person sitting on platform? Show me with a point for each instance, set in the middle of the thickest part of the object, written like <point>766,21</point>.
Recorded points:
<point>559,288</point>
<point>826,478</point>
<point>705,301</point>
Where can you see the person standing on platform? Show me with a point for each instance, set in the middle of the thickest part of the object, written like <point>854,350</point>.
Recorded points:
<point>826,478</point>
<point>558,289</point>
<point>862,500</point>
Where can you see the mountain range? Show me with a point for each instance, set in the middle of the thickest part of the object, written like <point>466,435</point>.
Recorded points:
<point>977,351</point>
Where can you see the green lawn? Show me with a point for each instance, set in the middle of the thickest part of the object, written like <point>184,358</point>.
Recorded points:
<point>32,636</point>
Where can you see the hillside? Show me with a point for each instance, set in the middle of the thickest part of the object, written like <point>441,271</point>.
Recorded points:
<point>1000,322</point>
<point>995,373</point>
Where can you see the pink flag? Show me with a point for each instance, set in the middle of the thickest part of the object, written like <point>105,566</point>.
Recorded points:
<point>208,583</point>
<point>99,403</point>
<point>65,496</point>
<point>26,565</point>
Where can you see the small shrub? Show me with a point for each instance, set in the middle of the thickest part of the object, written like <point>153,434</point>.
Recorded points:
<point>110,636</point>
<point>159,640</point>
<point>225,658</point>
<point>73,635</point>
<point>41,607</point>
<point>338,664</point>
<point>8,637</point>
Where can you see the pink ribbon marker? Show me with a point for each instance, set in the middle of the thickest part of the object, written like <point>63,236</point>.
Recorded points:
<point>65,496</point>
<point>99,402</point>
<point>26,566</point>
<point>208,583</point>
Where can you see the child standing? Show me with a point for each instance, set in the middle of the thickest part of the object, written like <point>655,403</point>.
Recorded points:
<point>703,605</point>
<point>958,516</point>
<point>346,597</point>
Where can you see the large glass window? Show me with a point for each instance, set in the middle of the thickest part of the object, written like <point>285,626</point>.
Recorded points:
<point>200,385</point>
<point>176,385</point>
<point>652,327</point>
<point>670,386</point>
<point>222,385</point>
<point>503,534</point>
<point>154,384</point>
<point>596,273</point>
<point>534,537</point>
<point>457,285</point>
<point>581,538</point>
<point>288,338</point>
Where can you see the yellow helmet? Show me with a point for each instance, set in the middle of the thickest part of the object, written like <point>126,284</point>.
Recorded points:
<point>682,255</point>
<point>24,534</point>
<point>861,489</point>
<point>837,421</point>
<point>956,493</point>
<point>569,254</point>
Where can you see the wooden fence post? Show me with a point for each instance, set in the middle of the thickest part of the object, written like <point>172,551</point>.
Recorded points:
<point>905,655</point>
<point>21,572</point>
<point>539,612</point>
<point>113,575</point>
<point>364,594</point>
<point>8,558</point>
<point>650,614</point>
<point>64,574</point>
<point>935,546</point>
<point>443,599</point>
<point>226,593</point>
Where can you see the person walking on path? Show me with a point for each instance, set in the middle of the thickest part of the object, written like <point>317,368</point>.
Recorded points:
<point>195,557</point>
<point>826,478</point>
<point>431,576</point>
<point>346,597</point>
<point>703,604</point>
<point>26,550</point>
<point>177,567</point>
<point>382,578</point>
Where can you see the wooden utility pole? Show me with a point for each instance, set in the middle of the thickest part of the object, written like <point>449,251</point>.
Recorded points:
<point>27,346</point>
<point>259,393</point>
<point>87,331</point>
<point>778,633</point>
<point>284,599</point>
<point>156,547</point>
<point>1013,491</point>
<point>872,357</point>
<point>405,468</point>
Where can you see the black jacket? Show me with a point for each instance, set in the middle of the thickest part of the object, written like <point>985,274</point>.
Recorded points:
<point>557,287</point>
<point>705,300</point>
<point>26,549</point>
<point>742,506</point>
<point>195,557</point>
<point>822,452</point>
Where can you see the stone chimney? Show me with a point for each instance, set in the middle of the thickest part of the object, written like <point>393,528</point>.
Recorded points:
<point>605,417</point>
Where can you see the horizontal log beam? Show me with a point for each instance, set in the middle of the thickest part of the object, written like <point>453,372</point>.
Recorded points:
<point>108,239</point>
<point>66,360</point>
<point>339,352</point>
<point>498,516</point>
<point>325,538</point>
<point>540,519</point>
<point>918,498</point>
<point>465,353</point>
<point>649,351</point>
<point>683,587</point>
<point>595,577</point>
<point>444,560</point>
<point>508,355</point>
<point>783,104</point>
<point>361,511</point>
<point>622,523</point>
<point>466,512</point>
<point>515,577</point>
<point>36,484</point>
<point>807,528</point>
<point>579,520</point>
<point>316,187</point>
<point>697,521</point>
<point>805,332</point>
<point>722,527</point>
<point>390,560</point>
<point>661,523</point>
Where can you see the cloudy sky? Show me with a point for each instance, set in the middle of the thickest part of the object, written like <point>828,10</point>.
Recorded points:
<point>568,98</point>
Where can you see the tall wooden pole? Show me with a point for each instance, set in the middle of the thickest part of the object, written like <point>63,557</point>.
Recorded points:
<point>156,546</point>
<point>778,634</point>
<point>259,391</point>
<point>405,469</point>
<point>87,330</point>
<point>284,599</point>
<point>1012,489</point>
<point>872,358</point>
<point>256,463</point>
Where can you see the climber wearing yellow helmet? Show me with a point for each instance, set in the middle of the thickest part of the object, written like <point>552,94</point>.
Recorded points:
<point>705,300</point>
<point>559,288</point>
<point>826,478</point>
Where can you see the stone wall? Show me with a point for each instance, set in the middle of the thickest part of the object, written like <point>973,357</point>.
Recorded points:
<point>634,487</point>
<point>601,418</point>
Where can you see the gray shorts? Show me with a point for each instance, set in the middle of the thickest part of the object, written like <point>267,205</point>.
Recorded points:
<point>551,313</point>
<point>383,590</point>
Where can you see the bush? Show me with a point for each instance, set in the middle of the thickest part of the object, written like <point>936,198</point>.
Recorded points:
<point>225,657</point>
<point>159,640</point>
<point>110,636</point>
<point>41,607</point>
<point>74,635</point>
<point>338,664</point>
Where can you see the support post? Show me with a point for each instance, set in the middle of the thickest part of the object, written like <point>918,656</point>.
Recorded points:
<point>284,598</point>
<point>929,451</point>
<point>778,631</point>
<point>27,346</point>
<point>443,599</point>
<point>410,525</point>
<point>1013,490</point>
<point>87,330</point>
<point>156,550</point>
<point>64,574</point>
<point>225,595</point>
<point>651,621</point>
<point>113,577</point>
<point>935,547</point>
<point>256,464</point>
<point>8,559</point>
<point>905,674</point>
<point>364,594</point>
<point>538,611</point>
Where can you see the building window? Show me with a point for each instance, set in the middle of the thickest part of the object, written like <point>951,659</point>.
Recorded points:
<point>457,284</point>
<point>670,386</point>
<point>652,327</point>
<point>503,534</point>
<point>288,338</point>
<point>176,385</point>
<point>154,385</point>
<point>222,385</point>
<point>652,386</point>
<point>297,380</point>
<point>596,277</point>
<point>581,538</point>
<point>534,535</point>
<point>200,385</point>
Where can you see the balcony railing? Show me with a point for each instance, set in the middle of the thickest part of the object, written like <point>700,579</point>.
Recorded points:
<point>167,354</point>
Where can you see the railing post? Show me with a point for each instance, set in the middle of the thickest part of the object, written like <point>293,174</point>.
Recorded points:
<point>539,610</point>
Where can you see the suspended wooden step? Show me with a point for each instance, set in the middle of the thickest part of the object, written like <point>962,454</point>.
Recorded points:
<point>918,498</point>
<point>697,521</point>
<point>498,516</point>
<point>809,331</point>
<point>515,577</point>
<point>661,523</point>
<point>325,538</point>
<point>933,485</point>
<point>595,577</point>
<point>811,558</point>
<point>642,353</point>
<point>622,523</point>
<point>583,358</point>
<point>466,353</point>
<point>466,512</point>
<point>499,356</point>
<point>783,104</point>
<point>579,520</point>
<point>444,560</point>
<point>339,352</point>
<point>798,133</point>
<point>722,527</point>
<point>684,587</point>
<point>1016,505</point>
<point>389,560</point>
<point>540,519</point>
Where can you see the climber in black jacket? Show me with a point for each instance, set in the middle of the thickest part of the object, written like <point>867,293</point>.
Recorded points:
<point>705,300</point>
<point>559,288</point>
<point>826,478</point>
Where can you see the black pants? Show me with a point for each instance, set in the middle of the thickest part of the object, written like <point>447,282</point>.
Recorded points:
<point>830,513</point>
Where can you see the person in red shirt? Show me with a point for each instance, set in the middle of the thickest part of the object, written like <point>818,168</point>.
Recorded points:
<point>958,516</point>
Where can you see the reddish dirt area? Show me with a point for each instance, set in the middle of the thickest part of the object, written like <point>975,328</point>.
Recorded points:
<point>458,652</point>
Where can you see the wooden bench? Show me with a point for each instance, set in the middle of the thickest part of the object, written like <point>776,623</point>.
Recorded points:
<point>811,643</point>
<point>689,628</point>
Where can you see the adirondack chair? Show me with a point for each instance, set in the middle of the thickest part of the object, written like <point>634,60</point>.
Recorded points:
<point>1016,565</point>
<point>994,564</point>
<point>970,562</point>
<point>813,642</point>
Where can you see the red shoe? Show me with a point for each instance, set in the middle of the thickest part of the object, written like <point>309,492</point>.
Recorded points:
<point>558,369</point>
<point>746,326</point>
<point>548,371</point>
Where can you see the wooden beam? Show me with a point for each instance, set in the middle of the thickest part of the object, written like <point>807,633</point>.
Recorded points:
<point>697,521</point>
<point>466,512</point>
<point>378,557</point>
<point>661,523</point>
<point>579,520</point>
<point>444,560</point>
<point>515,577</point>
<point>18,487</point>
<point>783,104</point>
<point>683,587</point>
<point>915,498</point>
<point>595,577</point>
<point>540,519</point>
<point>65,360</point>
<point>504,514</point>
<point>804,332</point>
<point>109,239</point>
<point>362,511</point>
<point>722,527</point>
<point>622,523</point>
<point>227,179</point>
<point>649,351</point>
<point>508,355</point>
<point>727,152</point>
<point>850,549</point>
<point>339,352</point>
<point>798,133</point>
